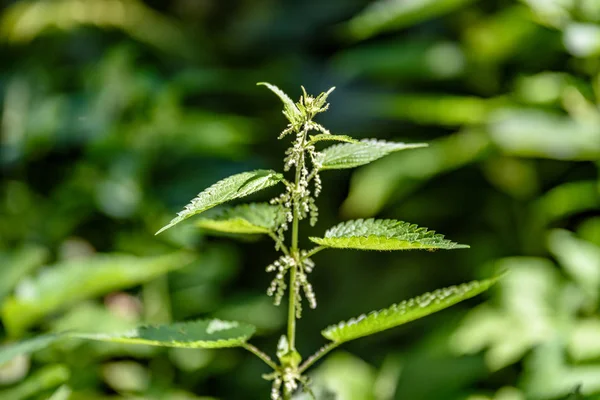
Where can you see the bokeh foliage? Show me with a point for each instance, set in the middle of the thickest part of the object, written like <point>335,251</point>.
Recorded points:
<point>116,112</point>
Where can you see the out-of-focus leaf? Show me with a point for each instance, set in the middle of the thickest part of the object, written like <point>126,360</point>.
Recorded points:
<point>590,229</point>
<point>501,35</point>
<point>583,342</point>
<point>582,40</point>
<point>246,218</point>
<point>75,280</point>
<point>437,109</point>
<point>342,376</point>
<point>515,176</point>
<point>63,393</point>
<point>17,265</point>
<point>383,234</point>
<point>406,311</point>
<point>535,133</point>
<point>523,318</point>
<point>351,155</point>
<point>25,21</point>
<point>385,15</point>
<point>225,190</point>
<point>579,258</point>
<point>8,352</point>
<point>46,378</point>
<point>542,88</point>
<point>397,175</point>
<point>566,200</point>
<point>406,60</point>
<point>548,374</point>
<point>126,376</point>
<point>92,317</point>
<point>258,311</point>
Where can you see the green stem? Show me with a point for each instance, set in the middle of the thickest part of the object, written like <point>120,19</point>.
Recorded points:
<point>314,251</point>
<point>294,252</point>
<point>254,350</point>
<point>317,356</point>
<point>281,245</point>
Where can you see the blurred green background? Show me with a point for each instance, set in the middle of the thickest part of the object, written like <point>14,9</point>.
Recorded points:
<point>115,113</point>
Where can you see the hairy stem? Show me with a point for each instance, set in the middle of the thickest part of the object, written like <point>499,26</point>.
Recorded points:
<point>294,251</point>
<point>266,359</point>
<point>281,245</point>
<point>314,251</point>
<point>317,356</point>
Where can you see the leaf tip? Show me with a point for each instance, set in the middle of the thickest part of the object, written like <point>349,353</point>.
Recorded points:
<point>164,228</point>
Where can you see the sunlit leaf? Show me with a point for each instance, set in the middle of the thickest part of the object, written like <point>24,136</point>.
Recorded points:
<point>18,264</point>
<point>322,137</point>
<point>350,155</point>
<point>383,15</point>
<point>383,234</point>
<point>290,110</point>
<point>63,393</point>
<point>246,218</point>
<point>25,21</point>
<point>408,60</point>
<point>8,352</point>
<point>230,188</point>
<point>48,377</point>
<point>406,311</point>
<point>78,279</point>
<point>537,133</point>
<point>206,334</point>
<point>437,109</point>
<point>579,258</point>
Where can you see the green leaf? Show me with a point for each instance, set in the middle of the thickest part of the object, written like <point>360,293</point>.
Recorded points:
<point>406,311</point>
<point>18,264</point>
<point>8,352</point>
<point>230,188</point>
<point>386,15</point>
<point>74,280</point>
<point>63,393</point>
<point>321,137</point>
<point>206,334</point>
<point>394,177</point>
<point>290,110</point>
<point>246,218</point>
<point>383,234</point>
<point>46,378</point>
<point>350,155</point>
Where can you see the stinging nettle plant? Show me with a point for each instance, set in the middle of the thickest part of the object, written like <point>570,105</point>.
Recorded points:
<point>292,269</point>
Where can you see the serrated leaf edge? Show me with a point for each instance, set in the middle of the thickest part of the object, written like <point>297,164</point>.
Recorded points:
<point>376,143</point>
<point>181,216</point>
<point>327,239</point>
<point>444,298</point>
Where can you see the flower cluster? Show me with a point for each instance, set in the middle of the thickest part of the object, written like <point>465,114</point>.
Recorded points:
<point>278,285</point>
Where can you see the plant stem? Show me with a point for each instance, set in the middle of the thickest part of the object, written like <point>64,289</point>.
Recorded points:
<point>317,356</point>
<point>281,245</point>
<point>314,251</point>
<point>294,251</point>
<point>254,350</point>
